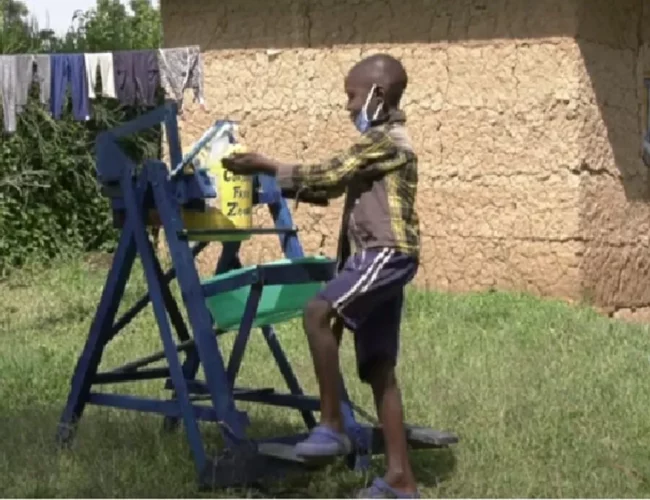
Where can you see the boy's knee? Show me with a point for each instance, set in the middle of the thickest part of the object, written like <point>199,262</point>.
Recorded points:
<point>317,313</point>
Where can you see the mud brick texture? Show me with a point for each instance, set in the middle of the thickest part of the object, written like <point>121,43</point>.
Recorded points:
<point>527,116</point>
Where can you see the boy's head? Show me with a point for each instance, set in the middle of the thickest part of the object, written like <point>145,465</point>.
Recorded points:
<point>378,80</point>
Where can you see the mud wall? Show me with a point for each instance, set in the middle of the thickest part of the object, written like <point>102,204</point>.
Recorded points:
<point>614,182</point>
<point>519,165</point>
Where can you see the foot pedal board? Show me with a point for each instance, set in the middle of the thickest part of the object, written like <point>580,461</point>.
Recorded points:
<point>280,451</point>
<point>425,437</point>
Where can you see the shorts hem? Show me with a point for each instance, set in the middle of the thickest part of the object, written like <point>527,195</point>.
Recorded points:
<point>348,322</point>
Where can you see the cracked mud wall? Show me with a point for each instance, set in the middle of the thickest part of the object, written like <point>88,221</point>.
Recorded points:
<point>501,109</point>
<point>614,182</point>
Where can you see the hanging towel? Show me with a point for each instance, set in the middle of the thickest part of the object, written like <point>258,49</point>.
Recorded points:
<point>69,68</point>
<point>103,61</point>
<point>43,76</point>
<point>137,77</point>
<point>8,89</point>
<point>24,80</point>
<point>181,69</point>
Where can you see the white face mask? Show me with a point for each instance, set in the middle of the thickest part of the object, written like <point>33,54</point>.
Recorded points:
<point>362,122</point>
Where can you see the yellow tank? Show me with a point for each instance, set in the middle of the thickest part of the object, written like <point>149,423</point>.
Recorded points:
<point>233,206</point>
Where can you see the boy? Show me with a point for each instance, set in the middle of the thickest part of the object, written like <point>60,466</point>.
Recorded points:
<point>378,255</point>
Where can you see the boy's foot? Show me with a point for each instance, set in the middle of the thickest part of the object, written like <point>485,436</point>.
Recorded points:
<point>324,442</point>
<point>381,489</point>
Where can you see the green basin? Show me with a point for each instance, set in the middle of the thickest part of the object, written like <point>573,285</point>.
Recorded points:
<point>278,303</point>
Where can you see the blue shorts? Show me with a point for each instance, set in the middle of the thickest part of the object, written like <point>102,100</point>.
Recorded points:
<point>368,294</point>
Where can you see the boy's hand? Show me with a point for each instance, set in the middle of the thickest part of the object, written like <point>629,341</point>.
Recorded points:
<point>248,164</point>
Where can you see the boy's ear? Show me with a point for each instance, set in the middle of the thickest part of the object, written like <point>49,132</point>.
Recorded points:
<point>380,92</point>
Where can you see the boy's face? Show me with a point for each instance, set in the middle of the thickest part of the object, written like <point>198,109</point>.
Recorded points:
<point>357,91</point>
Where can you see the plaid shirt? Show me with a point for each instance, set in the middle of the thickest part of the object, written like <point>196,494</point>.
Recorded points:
<point>379,175</point>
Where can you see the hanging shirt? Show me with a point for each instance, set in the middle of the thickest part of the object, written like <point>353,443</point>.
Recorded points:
<point>43,77</point>
<point>137,77</point>
<point>181,69</point>
<point>69,69</point>
<point>24,80</point>
<point>104,62</point>
<point>8,89</point>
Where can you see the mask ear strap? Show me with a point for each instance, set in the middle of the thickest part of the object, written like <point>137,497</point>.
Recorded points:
<point>370,94</point>
<point>379,109</point>
<point>379,106</point>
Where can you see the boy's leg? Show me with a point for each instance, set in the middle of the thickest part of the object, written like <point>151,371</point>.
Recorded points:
<point>377,345</point>
<point>324,348</point>
<point>367,280</point>
<point>324,337</point>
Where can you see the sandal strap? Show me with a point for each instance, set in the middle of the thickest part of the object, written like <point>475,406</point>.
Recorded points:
<point>381,489</point>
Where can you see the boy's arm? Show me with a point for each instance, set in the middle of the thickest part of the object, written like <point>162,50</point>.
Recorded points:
<point>316,196</point>
<point>375,154</point>
<point>312,196</point>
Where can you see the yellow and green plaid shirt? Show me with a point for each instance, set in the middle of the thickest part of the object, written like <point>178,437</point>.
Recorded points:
<point>379,175</point>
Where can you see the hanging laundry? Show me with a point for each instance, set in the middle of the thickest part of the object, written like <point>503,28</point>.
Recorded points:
<point>8,89</point>
<point>181,69</point>
<point>69,68</point>
<point>104,62</point>
<point>24,80</point>
<point>43,76</point>
<point>137,77</point>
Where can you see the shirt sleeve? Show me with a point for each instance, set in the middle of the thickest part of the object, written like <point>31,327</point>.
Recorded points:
<point>320,193</point>
<point>311,196</point>
<point>375,154</point>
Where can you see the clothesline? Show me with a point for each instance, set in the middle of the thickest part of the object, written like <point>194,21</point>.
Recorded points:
<point>130,76</point>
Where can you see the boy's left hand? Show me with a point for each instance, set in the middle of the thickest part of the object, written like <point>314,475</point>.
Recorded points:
<point>248,164</point>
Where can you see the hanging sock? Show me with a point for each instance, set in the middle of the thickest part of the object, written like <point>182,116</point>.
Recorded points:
<point>181,69</point>
<point>43,76</point>
<point>104,62</point>
<point>8,89</point>
<point>137,77</point>
<point>69,68</point>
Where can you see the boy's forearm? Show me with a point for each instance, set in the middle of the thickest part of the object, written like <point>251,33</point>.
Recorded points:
<point>276,169</point>
<point>284,174</point>
<point>328,175</point>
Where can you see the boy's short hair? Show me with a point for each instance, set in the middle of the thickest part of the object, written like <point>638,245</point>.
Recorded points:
<point>388,71</point>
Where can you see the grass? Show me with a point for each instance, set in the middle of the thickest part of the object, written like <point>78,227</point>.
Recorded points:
<point>549,400</point>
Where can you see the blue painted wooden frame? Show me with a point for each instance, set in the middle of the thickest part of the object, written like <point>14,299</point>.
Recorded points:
<point>152,187</point>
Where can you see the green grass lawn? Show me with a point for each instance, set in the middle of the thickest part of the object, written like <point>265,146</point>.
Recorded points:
<point>549,400</point>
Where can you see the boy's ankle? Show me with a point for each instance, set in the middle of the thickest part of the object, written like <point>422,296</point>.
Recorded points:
<point>334,424</point>
<point>401,481</point>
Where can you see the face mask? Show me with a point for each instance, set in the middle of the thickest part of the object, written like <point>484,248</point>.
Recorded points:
<point>362,122</point>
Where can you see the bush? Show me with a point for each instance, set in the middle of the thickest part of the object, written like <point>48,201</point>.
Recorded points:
<point>50,203</point>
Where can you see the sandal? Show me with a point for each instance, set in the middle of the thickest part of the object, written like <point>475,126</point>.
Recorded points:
<point>381,489</point>
<point>324,442</point>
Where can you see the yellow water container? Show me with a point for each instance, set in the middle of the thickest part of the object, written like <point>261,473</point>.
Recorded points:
<point>233,206</point>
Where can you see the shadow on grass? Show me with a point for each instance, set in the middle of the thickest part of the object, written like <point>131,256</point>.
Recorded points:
<point>124,454</point>
<point>433,467</point>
